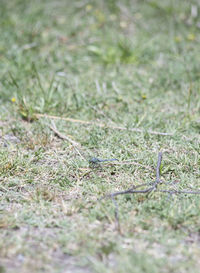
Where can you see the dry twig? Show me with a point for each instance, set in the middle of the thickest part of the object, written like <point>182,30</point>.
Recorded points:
<point>116,214</point>
<point>62,136</point>
<point>131,162</point>
<point>151,187</point>
<point>102,125</point>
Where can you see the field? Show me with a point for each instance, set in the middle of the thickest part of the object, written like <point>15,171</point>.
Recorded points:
<point>99,79</point>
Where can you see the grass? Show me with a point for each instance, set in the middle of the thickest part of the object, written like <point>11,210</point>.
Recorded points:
<point>127,63</point>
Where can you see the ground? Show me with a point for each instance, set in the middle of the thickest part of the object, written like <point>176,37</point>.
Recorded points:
<point>100,65</point>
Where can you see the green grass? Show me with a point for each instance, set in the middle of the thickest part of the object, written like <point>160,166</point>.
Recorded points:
<point>126,63</point>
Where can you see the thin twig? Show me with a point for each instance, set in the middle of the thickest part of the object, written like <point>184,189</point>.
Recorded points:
<point>102,125</point>
<point>179,192</point>
<point>131,191</point>
<point>152,186</point>
<point>116,214</point>
<point>158,167</point>
<point>129,162</point>
<point>62,136</point>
